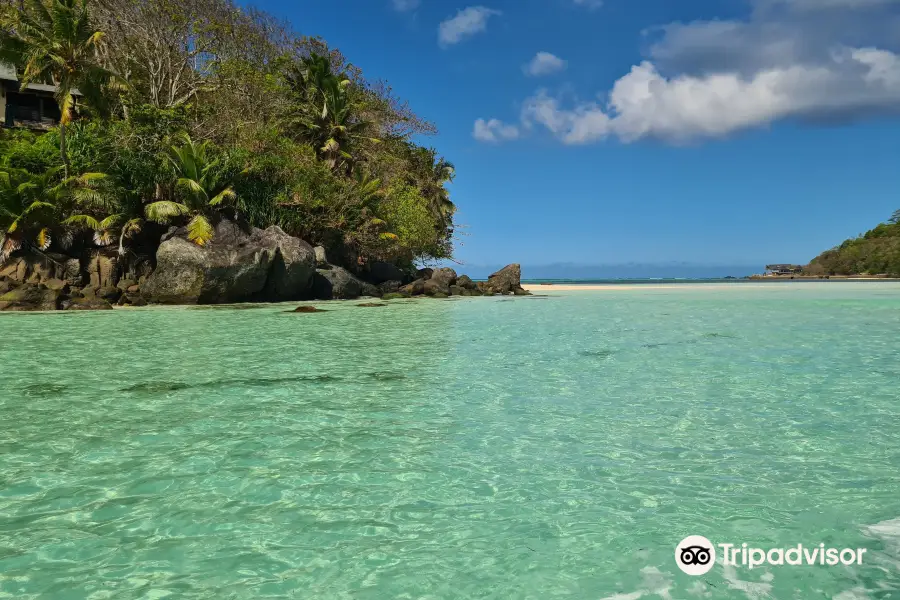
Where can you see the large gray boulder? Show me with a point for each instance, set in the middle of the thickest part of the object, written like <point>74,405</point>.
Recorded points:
<point>293,266</point>
<point>445,276</point>
<point>235,266</point>
<point>436,287</point>
<point>379,272</point>
<point>336,283</point>
<point>30,297</point>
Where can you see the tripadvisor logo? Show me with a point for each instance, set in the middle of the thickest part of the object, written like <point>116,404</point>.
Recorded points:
<point>696,555</point>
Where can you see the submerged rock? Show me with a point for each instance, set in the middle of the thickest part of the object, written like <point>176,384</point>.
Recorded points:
<point>307,309</point>
<point>395,296</point>
<point>94,303</point>
<point>371,305</point>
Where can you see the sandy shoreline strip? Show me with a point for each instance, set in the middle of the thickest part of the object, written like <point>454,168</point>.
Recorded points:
<point>611,287</point>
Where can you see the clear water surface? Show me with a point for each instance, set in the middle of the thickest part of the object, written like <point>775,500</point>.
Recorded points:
<point>547,447</point>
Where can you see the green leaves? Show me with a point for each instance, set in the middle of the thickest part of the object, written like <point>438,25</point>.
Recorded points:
<point>164,210</point>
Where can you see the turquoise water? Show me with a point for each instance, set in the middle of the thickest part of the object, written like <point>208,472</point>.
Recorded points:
<point>539,448</point>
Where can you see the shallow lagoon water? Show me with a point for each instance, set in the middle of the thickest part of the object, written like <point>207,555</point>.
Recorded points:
<point>546,447</point>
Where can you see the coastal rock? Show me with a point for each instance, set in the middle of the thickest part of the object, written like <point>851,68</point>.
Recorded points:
<point>379,272</point>
<point>4,286</point>
<point>58,285</point>
<point>131,300</point>
<point>445,276</point>
<point>464,281</point>
<point>110,294</point>
<point>321,256</point>
<point>370,290</point>
<point>39,268</point>
<point>102,268</point>
<point>236,266</point>
<point>336,283</point>
<point>395,296</point>
<point>415,288</point>
<point>30,297</point>
<point>505,281</point>
<point>456,290</point>
<point>389,287</point>
<point>424,274</point>
<point>86,304</point>
<point>124,284</point>
<point>434,287</point>
<point>307,309</point>
<point>294,262</point>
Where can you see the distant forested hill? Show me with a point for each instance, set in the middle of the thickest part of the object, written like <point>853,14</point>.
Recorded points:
<point>874,253</point>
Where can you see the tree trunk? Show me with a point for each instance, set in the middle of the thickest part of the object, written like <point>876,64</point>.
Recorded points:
<point>62,148</point>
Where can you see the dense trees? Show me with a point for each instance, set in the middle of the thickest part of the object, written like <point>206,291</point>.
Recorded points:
<point>877,252</point>
<point>176,111</point>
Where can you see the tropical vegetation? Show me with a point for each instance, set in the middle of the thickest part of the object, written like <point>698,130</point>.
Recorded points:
<point>876,252</point>
<point>190,112</point>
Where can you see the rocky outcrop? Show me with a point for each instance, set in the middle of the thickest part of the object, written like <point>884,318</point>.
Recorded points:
<point>507,280</point>
<point>30,297</point>
<point>379,272</point>
<point>434,287</point>
<point>336,283</point>
<point>291,273</point>
<point>236,266</point>
<point>38,268</point>
<point>445,276</point>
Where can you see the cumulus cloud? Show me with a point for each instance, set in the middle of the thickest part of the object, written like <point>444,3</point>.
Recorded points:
<point>467,22</point>
<point>405,5</point>
<point>645,104</point>
<point>494,131</point>
<point>544,63</point>
<point>811,60</point>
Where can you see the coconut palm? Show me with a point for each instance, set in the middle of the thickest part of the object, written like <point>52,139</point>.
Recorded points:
<point>28,208</point>
<point>201,187</point>
<point>94,198</point>
<point>325,114</point>
<point>53,41</point>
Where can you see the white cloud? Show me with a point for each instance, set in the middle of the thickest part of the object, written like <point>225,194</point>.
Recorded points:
<point>405,5</point>
<point>644,104</point>
<point>465,24</point>
<point>494,131</point>
<point>819,61</point>
<point>544,63</point>
<point>591,4</point>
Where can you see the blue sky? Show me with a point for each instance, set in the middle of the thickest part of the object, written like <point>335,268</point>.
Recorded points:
<point>729,132</point>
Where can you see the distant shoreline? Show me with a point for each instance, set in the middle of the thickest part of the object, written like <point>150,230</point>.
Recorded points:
<point>625,284</point>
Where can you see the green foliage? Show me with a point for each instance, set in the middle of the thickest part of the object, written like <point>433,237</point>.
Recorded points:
<point>876,252</point>
<point>191,110</point>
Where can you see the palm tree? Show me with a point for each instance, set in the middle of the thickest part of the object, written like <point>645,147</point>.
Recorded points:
<point>201,187</point>
<point>53,41</point>
<point>325,115</point>
<point>28,205</point>
<point>895,218</point>
<point>95,202</point>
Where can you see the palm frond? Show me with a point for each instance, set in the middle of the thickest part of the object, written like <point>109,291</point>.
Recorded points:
<point>223,196</point>
<point>86,221</point>
<point>163,211</point>
<point>200,231</point>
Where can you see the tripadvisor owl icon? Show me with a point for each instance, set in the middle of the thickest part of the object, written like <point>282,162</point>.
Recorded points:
<point>695,555</point>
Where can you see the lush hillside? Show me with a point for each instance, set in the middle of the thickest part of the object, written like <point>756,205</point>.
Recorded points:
<point>874,253</point>
<point>185,113</point>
